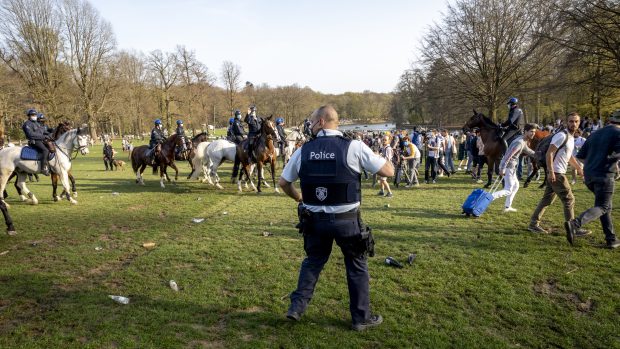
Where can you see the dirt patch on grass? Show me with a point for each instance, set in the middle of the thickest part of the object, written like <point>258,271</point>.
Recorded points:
<point>136,207</point>
<point>547,287</point>
<point>550,289</point>
<point>252,310</point>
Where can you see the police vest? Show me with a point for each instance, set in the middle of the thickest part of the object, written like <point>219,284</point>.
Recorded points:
<point>324,176</point>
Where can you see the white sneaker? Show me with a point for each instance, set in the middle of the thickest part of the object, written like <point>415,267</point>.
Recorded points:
<point>573,182</point>
<point>509,209</point>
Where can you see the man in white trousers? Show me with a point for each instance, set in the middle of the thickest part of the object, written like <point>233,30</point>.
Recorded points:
<point>508,166</point>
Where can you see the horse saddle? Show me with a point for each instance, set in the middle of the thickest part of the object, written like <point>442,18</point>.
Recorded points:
<point>30,153</point>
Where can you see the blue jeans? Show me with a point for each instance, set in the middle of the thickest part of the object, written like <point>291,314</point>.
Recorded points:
<point>603,189</point>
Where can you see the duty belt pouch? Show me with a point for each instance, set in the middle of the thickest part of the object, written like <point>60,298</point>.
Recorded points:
<point>366,241</point>
<point>304,216</point>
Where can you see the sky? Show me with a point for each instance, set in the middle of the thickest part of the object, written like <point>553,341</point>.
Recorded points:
<point>329,46</point>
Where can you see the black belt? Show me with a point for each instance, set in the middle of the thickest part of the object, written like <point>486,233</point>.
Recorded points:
<point>330,216</point>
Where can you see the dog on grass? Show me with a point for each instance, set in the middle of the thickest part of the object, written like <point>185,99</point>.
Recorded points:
<point>119,164</point>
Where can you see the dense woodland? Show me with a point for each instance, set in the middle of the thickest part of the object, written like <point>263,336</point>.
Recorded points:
<point>61,57</point>
<point>556,56</point>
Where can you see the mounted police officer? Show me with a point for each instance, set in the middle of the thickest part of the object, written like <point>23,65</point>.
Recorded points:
<point>36,135</point>
<point>514,123</point>
<point>48,131</point>
<point>181,134</point>
<point>281,134</point>
<point>157,137</point>
<point>237,128</point>
<point>254,125</point>
<point>307,131</point>
<point>229,132</point>
<point>329,169</point>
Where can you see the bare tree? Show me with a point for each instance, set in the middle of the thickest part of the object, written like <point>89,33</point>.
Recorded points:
<point>163,68</point>
<point>90,46</point>
<point>32,46</point>
<point>193,73</point>
<point>485,45</point>
<point>231,77</point>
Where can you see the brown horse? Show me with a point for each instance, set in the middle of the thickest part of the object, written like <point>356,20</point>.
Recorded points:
<point>265,153</point>
<point>494,147</point>
<point>538,136</point>
<point>164,157</point>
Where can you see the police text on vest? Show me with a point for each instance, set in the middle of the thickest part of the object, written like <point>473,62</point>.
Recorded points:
<point>321,155</point>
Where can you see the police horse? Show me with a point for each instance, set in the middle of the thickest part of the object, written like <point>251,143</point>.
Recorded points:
<point>25,160</point>
<point>61,129</point>
<point>211,155</point>
<point>265,153</point>
<point>164,158</point>
<point>494,147</point>
<point>293,141</point>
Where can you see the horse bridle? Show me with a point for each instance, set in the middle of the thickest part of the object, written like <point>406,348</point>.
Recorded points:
<point>77,148</point>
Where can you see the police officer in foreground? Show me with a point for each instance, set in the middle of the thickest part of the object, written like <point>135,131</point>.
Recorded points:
<point>254,125</point>
<point>157,137</point>
<point>329,169</point>
<point>36,136</point>
<point>514,122</point>
<point>237,128</point>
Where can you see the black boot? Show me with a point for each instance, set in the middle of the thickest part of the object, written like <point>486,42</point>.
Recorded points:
<point>45,168</point>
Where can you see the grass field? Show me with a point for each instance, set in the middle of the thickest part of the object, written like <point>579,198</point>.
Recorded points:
<point>476,283</point>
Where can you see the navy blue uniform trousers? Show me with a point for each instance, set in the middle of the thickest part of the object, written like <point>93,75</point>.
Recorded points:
<point>318,246</point>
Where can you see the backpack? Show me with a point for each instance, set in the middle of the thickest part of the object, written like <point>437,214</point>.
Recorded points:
<point>540,153</point>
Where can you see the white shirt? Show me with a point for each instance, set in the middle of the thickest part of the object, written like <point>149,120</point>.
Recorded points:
<point>359,157</point>
<point>560,163</point>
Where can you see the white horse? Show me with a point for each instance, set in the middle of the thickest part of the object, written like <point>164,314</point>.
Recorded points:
<point>212,156</point>
<point>66,144</point>
<point>291,141</point>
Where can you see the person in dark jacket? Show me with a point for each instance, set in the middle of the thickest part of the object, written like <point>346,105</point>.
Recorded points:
<point>254,125</point>
<point>108,156</point>
<point>281,135</point>
<point>229,132</point>
<point>514,123</point>
<point>36,138</point>
<point>181,133</point>
<point>157,137</point>
<point>237,128</point>
<point>47,131</point>
<point>600,154</point>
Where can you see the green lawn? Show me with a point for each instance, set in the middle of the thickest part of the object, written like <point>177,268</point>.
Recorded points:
<point>476,283</point>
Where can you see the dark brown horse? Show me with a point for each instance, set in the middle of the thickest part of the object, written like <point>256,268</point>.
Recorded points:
<point>164,157</point>
<point>10,229</point>
<point>494,148</point>
<point>538,136</point>
<point>265,153</point>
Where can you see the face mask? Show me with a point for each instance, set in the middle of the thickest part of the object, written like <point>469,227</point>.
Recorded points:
<point>406,143</point>
<point>33,118</point>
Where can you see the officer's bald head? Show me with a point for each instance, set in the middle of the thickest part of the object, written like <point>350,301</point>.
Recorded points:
<point>328,114</point>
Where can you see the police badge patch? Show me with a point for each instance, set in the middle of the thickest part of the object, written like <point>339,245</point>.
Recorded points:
<point>321,193</point>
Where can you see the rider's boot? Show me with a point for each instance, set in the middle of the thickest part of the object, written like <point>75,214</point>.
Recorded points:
<point>45,168</point>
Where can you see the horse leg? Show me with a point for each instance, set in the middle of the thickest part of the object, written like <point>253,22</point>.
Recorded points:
<point>21,182</point>
<point>273,175</point>
<point>262,175</point>
<point>176,172</point>
<point>259,170</point>
<point>72,180</point>
<point>4,178</point>
<point>64,179</point>
<point>490,165</point>
<point>54,178</point>
<point>162,173</point>
<point>139,178</point>
<point>19,190</point>
<point>10,229</point>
